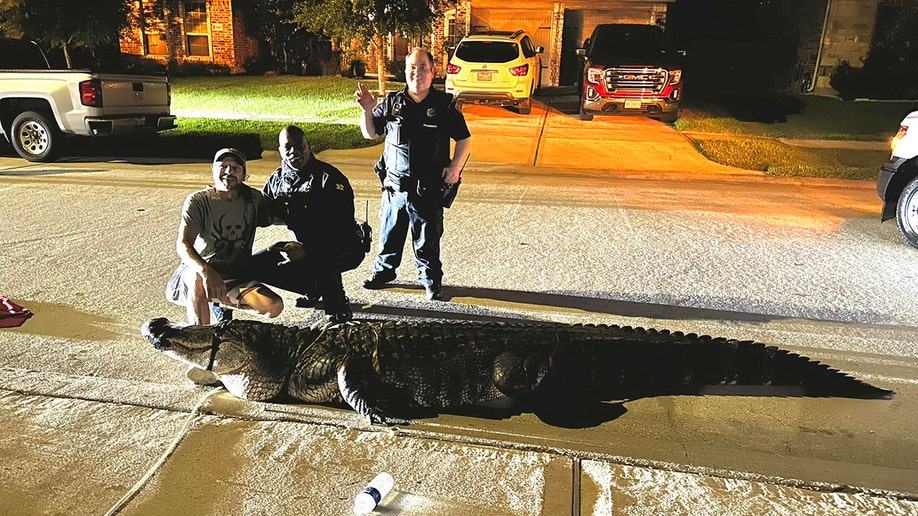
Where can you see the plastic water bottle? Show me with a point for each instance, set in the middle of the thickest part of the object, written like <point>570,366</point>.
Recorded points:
<point>376,490</point>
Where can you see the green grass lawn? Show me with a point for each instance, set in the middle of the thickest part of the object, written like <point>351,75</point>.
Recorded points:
<point>807,117</point>
<point>282,97</point>
<point>249,111</point>
<point>733,133</point>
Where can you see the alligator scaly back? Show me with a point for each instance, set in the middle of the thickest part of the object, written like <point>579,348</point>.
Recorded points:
<point>383,369</point>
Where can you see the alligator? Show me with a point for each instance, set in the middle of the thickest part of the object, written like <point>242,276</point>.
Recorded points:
<point>391,371</point>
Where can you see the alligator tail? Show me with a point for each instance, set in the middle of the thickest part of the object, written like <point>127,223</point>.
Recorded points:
<point>643,362</point>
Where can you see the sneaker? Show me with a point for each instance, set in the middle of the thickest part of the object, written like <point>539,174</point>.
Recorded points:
<point>378,280</point>
<point>220,314</point>
<point>201,376</point>
<point>434,292</point>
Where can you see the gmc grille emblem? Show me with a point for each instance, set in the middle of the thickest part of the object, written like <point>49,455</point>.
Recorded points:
<point>634,77</point>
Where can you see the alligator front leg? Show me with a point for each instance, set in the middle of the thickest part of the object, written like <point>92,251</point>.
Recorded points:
<point>517,376</point>
<point>362,389</point>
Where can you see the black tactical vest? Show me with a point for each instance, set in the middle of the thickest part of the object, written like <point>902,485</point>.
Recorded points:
<point>417,137</point>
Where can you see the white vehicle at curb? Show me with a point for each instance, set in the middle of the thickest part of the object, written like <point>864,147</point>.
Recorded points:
<point>40,106</point>
<point>897,183</point>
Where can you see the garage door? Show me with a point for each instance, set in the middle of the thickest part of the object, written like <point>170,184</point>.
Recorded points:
<point>536,23</point>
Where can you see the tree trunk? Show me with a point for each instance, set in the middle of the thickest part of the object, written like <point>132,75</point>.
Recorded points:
<point>379,41</point>
<point>66,55</point>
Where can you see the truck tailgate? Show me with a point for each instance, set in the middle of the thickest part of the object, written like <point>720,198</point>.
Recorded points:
<point>132,94</point>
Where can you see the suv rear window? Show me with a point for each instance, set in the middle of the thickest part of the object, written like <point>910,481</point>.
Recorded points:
<point>487,51</point>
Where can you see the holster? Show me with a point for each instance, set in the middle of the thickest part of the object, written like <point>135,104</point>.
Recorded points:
<point>400,183</point>
<point>380,169</point>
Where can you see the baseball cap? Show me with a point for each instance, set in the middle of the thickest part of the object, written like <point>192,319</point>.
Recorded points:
<point>230,152</point>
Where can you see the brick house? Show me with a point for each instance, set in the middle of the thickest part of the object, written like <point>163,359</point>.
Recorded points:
<point>846,33</point>
<point>213,32</point>
<point>201,31</point>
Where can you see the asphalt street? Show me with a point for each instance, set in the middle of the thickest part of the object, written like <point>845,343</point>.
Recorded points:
<point>614,221</point>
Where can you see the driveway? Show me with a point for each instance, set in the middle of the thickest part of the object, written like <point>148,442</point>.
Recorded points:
<point>554,136</point>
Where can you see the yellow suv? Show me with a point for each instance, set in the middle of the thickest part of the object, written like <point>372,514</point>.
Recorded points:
<point>495,67</point>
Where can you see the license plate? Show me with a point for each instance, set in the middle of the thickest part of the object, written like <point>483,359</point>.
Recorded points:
<point>632,104</point>
<point>484,76</point>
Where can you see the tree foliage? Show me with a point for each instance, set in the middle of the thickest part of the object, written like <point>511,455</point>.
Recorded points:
<point>368,22</point>
<point>890,70</point>
<point>291,48</point>
<point>91,25</point>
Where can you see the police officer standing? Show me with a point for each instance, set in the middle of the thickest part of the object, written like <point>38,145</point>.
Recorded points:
<point>415,168</point>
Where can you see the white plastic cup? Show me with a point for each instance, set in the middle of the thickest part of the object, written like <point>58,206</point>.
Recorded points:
<point>376,490</point>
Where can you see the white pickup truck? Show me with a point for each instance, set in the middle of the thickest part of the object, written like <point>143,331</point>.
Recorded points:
<point>40,106</point>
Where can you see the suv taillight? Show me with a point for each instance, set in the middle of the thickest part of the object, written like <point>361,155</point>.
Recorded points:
<point>91,93</point>
<point>899,135</point>
<point>520,71</point>
<point>452,69</point>
<point>594,73</point>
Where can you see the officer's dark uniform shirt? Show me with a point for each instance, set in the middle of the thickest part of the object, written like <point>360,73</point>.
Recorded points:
<point>316,203</point>
<point>418,134</point>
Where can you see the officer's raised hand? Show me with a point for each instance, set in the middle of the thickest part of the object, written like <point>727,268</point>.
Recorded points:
<point>363,97</point>
<point>367,102</point>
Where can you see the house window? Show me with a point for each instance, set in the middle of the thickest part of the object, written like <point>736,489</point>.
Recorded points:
<point>198,38</point>
<point>155,43</point>
<point>452,36</point>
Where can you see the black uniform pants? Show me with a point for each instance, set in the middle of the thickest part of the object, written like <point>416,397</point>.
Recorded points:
<point>307,276</point>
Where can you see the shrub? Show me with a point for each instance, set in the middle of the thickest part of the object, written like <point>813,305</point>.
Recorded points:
<point>357,69</point>
<point>846,80</point>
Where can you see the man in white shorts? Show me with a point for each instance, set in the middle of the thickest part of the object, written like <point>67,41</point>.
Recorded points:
<point>215,239</point>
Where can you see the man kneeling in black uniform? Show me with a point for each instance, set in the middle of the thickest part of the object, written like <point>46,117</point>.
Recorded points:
<point>316,202</point>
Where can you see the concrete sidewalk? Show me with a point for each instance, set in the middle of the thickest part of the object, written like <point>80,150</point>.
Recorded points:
<point>78,445</point>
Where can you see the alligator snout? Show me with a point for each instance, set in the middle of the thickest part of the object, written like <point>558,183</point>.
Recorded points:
<point>153,330</point>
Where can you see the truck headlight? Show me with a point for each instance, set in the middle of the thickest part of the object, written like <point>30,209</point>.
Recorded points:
<point>594,74</point>
<point>675,76</point>
<point>899,135</point>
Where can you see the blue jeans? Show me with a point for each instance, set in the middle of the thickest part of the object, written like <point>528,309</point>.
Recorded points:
<point>398,212</point>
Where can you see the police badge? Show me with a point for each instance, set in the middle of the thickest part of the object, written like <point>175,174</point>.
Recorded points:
<point>431,112</point>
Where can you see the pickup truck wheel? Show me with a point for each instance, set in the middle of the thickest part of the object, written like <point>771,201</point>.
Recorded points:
<point>34,137</point>
<point>907,213</point>
<point>583,114</point>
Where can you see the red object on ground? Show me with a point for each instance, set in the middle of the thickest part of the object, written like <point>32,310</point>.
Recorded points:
<point>11,314</point>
